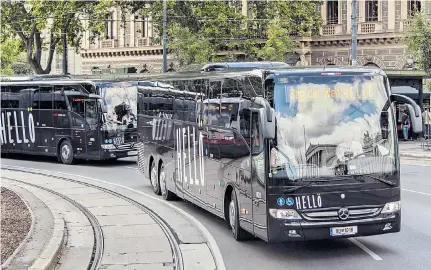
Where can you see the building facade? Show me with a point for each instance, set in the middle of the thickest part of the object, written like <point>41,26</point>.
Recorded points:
<point>381,24</point>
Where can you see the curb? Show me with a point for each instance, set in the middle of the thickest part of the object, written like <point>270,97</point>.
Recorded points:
<point>211,251</point>
<point>30,231</point>
<point>49,255</point>
<point>415,156</point>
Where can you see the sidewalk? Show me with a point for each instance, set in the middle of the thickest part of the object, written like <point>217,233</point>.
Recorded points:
<point>418,149</point>
<point>132,237</point>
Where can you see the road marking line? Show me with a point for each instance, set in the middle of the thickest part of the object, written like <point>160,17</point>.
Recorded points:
<point>414,191</point>
<point>367,250</point>
<point>212,244</point>
<point>133,168</point>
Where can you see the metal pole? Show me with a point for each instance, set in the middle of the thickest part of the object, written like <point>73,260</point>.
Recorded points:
<point>354,32</point>
<point>63,37</point>
<point>164,37</point>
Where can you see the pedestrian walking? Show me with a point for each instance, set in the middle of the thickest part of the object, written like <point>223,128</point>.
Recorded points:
<point>426,115</point>
<point>406,125</point>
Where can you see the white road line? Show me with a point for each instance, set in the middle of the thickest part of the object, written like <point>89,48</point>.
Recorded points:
<point>367,250</point>
<point>212,244</point>
<point>133,168</point>
<point>414,191</point>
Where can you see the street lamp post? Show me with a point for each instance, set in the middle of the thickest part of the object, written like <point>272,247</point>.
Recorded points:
<point>164,37</point>
<point>63,37</point>
<point>354,32</point>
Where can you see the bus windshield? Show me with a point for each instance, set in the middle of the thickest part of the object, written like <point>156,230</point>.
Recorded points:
<point>214,115</point>
<point>331,125</point>
<point>86,108</point>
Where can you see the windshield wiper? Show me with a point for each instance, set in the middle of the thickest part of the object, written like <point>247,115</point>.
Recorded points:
<point>388,182</point>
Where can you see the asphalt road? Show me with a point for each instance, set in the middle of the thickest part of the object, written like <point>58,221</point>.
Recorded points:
<point>409,249</point>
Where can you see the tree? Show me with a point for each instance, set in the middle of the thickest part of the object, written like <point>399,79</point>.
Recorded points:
<point>39,23</point>
<point>187,47</point>
<point>418,41</point>
<point>279,24</point>
<point>10,50</point>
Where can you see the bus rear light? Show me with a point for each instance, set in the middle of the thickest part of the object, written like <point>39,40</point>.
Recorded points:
<point>288,214</point>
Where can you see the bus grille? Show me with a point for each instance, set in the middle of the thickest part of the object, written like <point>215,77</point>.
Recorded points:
<point>332,214</point>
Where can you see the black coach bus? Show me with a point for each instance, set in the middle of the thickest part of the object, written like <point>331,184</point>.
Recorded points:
<point>58,117</point>
<point>315,155</point>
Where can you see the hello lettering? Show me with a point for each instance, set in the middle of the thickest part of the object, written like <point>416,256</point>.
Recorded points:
<point>24,133</point>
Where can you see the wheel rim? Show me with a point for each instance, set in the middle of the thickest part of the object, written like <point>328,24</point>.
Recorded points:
<point>65,152</point>
<point>232,215</point>
<point>154,177</point>
<point>162,180</point>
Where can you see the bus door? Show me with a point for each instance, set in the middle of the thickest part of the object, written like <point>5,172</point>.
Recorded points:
<point>27,122</point>
<point>43,111</point>
<point>244,177</point>
<point>61,118</point>
<point>258,176</point>
<point>92,136</point>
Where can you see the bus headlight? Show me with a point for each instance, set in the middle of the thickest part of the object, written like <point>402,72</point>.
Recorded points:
<point>108,146</point>
<point>391,207</point>
<point>288,214</point>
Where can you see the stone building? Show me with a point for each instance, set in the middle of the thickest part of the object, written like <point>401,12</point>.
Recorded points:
<point>380,25</point>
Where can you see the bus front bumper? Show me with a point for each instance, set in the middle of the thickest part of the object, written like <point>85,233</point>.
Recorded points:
<point>118,153</point>
<point>281,230</point>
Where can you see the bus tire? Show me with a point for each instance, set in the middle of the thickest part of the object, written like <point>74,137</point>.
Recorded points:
<point>154,179</point>
<point>238,233</point>
<point>65,153</point>
<point>166,193</point>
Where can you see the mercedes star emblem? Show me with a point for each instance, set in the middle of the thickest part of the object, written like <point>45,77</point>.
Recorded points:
<point>343,213</point>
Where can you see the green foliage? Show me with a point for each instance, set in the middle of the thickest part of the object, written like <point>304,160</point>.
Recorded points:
<point>188,48</point>
<point>10,49</point>
<point>39,23</point>
<point>418,41</point>
<point>279,43</point>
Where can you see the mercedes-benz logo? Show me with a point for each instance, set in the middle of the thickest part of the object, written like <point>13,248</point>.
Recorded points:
<point>343,213</point>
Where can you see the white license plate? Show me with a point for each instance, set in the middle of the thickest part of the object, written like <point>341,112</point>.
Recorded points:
<point>132,153</point>
<point>118,141</point>
<point>343,230</point>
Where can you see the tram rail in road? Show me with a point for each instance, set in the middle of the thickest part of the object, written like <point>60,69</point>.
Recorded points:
<point>98,247</point>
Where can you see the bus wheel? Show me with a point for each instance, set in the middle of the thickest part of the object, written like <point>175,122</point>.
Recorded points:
<point>66,153</point>
<point>154,179</point>
<point>166,194</point>
<point>238,233</point>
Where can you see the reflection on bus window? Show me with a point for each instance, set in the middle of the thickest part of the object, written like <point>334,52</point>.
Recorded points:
<point>223,117</point>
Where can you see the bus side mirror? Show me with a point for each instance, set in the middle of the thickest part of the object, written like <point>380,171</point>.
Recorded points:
<point>267,118</point>
<point>268,127</point>
<point>414,111</point>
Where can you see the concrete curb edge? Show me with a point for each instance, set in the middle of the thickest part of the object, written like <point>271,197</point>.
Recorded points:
<point>415,156</point>
<point>49,255</point>
<point>211,243</point>
<point>29,234</point>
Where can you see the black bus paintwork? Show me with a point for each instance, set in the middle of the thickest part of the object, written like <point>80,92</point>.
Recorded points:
<point>54,121</point>
<point>242,174</point>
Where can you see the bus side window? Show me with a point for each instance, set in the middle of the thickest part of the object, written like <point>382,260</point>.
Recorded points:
<point>256,134</point>
<point>244,124</point>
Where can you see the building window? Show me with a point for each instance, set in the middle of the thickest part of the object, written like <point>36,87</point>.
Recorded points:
<point>371,10</point>
<point>413,6</point>
<point>109,26</point>
<point>332,12</point>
